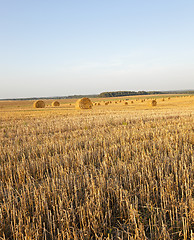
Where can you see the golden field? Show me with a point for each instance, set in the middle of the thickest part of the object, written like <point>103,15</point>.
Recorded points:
<point>116,171</point>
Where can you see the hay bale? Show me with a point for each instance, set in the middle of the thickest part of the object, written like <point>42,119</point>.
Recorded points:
<point>55,104</point>
<point>131,101</point>
<point>163,99</point>
<point>39,104</point>
<point>83,103</point>
<point>154,103</point>
<point>98,104</point>
<point>106,103</point>
<point>126,103</point>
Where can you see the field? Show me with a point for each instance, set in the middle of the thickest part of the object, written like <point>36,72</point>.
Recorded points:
<point>117,171</point>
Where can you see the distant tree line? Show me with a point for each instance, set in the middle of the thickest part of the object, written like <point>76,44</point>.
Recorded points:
<point>127,93</point>
<point>81,96</point>
<point>133,93</point>
<point>108,94</point>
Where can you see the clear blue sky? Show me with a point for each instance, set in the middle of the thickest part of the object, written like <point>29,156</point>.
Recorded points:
<point>57,48</point>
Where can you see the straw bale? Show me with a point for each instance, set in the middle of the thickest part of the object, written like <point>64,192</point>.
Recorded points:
<point>55,104</point>
<point>83,103</point>
<point>39,104</point>
<point>154,103</point>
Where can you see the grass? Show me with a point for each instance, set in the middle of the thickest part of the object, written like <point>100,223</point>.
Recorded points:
<point>113,172</point>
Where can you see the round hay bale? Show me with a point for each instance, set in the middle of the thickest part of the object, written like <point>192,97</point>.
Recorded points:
<point>154,103</point>
<point>98,104</point>
<point>163,99</point>
<point>126,103</point>
<point>55,104</point>
<point>39,104</point>
<point>83,103</point>
<point>106,103</point>
<point>131,101</point>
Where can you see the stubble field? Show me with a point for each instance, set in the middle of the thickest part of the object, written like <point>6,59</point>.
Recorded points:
<point>117,171</point>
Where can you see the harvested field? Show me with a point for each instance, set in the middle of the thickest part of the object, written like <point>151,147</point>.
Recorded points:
<point>111,172</point>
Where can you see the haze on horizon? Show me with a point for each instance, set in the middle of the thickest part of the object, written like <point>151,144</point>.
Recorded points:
<point>60,48</point>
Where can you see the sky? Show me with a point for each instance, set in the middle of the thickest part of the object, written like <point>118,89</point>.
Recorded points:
<point>67,47</point>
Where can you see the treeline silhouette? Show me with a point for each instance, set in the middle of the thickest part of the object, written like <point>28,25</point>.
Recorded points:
<point>133,93</point>
<point>126,93</point>
<point>108,94</point>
